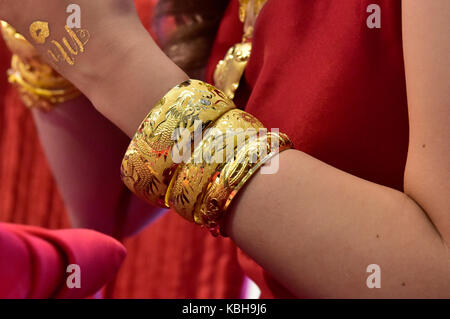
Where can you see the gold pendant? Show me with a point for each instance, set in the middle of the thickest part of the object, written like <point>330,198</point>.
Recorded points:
<point>67,51</point>
<point>230,70</point>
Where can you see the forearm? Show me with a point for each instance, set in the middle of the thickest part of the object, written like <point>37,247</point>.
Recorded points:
<point>319,234</point>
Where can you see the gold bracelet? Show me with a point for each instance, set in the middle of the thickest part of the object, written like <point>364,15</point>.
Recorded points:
<point>148,166</point>
<point>234,175</point>
<point>17,43</point>
<point>39,85</point>
<point>192,178</point>
<point>202,186</point>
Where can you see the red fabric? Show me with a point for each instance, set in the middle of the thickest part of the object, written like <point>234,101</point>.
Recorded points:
<point>336,87</point>
<point>33,261</point>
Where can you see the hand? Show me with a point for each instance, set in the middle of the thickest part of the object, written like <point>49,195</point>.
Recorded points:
<point>111,58</point>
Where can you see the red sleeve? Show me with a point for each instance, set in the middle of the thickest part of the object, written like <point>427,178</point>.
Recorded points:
<point>33,261</point>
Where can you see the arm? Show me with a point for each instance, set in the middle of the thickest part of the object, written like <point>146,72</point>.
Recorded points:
<point>318,235</point>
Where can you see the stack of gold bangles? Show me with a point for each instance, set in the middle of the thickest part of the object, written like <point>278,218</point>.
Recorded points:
<point>39,85</point>
<point>166,165</point>
<point>193,152</point>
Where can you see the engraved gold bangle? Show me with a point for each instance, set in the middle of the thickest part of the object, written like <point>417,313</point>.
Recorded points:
<point>147,168</point>
<point>234,175</point>
<point>230,70</point>
<point>192,178</point>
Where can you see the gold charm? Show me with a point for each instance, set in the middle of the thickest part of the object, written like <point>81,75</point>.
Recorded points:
<point>70,47</point>
<point>229,71</point>
<point>39,31</point>
<point>148,165</point>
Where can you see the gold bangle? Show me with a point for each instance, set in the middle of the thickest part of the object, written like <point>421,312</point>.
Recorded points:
<point>192,178</point>
<point>234,175</point>
<point>39,85</point>
<point>148,167</point>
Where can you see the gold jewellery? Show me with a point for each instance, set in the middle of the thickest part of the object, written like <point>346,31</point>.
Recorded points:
<point>68,52</point>
<point>230,70</point>
<point>39,31</point>
<point>201,184</point>
<point>39,85</point>
<point>17,43</point>
<point>234,144</point>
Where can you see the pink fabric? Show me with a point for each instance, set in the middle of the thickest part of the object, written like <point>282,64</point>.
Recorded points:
<point>33,261</point>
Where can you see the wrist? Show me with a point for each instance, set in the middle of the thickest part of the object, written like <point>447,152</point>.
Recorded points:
<point>127,83</point>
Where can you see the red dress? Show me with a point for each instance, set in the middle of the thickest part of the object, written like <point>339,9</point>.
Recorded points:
<point>318,73</point>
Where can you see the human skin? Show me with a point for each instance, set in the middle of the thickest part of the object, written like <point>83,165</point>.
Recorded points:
<point>304,223</point>
<point>84,150</point>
